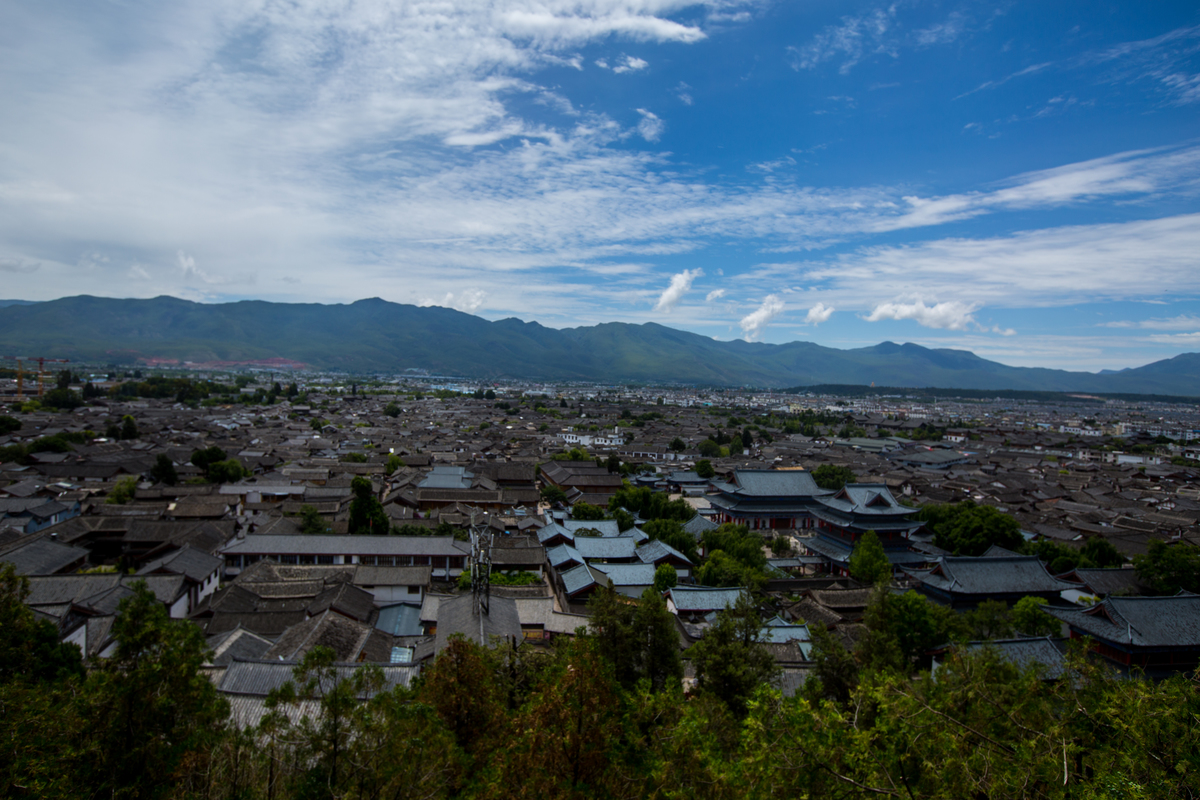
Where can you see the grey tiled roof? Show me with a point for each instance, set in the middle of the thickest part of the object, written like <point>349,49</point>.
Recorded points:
<point>196,564</point>
<point>602,548</point>
<point>607,527</point>
<point>458,615</point>
<point>43,556</point>
<point>258,678</point>
<point>657,550</point>
<point>563,554</point>
<point>579,578</point>
<point>703,598</point>
<point>1027,652</point>
<point>773,483</point>
<point>331,544</point>
<point>991,576</point>
<point>1139,621</point>
<point>628,574</point>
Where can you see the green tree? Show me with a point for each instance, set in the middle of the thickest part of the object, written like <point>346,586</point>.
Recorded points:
<point>461,687</point>
<point>354,458</point>
<point>704,469</point>
<point>736,445</point>
<point>9,424</point>
<point>677,444</point>
<point>148,706</point>
<point>228,471</point>
<point>671,532</point>
<point>835,673</point>
<point>868,561</point>
<point>966,529</point>
<point>394,462</point>
<point>311,521</point>
<point>1168,568</point>
<point>833,476</point>
<point>1100,552</point>
<point>721,569</point>
<point>163,470</point>
<point>203,459</point>
<point>739,543</point>
<point>554,494</point>
<point>366,512</point>
<point>990,620</point>
<point>1029,618</point>
<point>665,577</point>
<point>709,449</point>
<point>391,410</point>
<point>587,512</point>
<point>902,628</point>
<point>729,659</point>
<point>123,492</point>
<point>655,630</point>
<point>129,429</point>
<point>30,649</point>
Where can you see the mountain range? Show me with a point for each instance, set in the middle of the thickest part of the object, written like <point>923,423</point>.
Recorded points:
<point>378,336</point>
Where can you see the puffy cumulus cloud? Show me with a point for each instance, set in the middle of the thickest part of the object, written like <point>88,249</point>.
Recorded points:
<point>630,64</point>
<point>651,127</point>
<point>756,321</point>
<point>468,301</point>
<point>818,314</point>
<point>715,294</point>
<point>680,285</point>
<point>950,315</point>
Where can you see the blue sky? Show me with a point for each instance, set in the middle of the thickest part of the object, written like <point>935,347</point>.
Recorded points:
<point>1017,179</point>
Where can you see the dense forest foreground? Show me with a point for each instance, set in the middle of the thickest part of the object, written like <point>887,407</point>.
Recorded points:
<point>600,715</point>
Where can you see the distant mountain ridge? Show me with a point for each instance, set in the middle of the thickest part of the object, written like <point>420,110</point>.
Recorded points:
<point>376,335</point>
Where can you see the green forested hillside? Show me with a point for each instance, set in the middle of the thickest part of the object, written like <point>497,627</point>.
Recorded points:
<point>374,335</point>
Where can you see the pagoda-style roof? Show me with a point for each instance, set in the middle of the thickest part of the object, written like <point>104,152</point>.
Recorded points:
<point>984,576</point>
<point>865,499</point>
<point>770,483</point>
<point>1151,622</point>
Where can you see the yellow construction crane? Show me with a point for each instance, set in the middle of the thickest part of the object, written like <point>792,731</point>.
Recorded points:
<point>42,361</point>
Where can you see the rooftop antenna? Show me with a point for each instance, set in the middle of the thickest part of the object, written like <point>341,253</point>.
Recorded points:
<point>481,568</point>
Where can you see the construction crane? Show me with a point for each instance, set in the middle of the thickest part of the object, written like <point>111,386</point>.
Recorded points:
<point>42,362</point>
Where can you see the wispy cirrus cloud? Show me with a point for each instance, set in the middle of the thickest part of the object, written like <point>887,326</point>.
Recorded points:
<point>1182,322</point>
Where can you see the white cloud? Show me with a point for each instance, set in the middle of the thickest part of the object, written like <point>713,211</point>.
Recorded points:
<point>818,314</point>
<point>1182,322</point>
<point>950,315</point>
<point>943,32</point>
<point>651,127</point>
<point>684,93</point>
<point>18,265</point>
<point>468,301</point>
<point>715,294</point>
<point>1177,339</point>
<point>753,323</point>
<point>1148,259</point>
<point>630,64</point>
<point>680,285</point>
<point>849,40</point>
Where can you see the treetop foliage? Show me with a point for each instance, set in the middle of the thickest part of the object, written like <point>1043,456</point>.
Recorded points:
<point>967,529</point>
